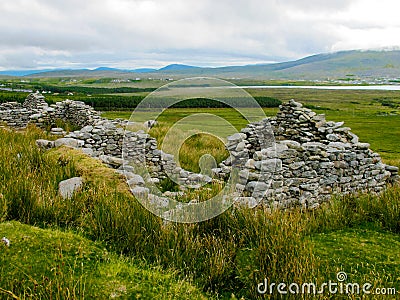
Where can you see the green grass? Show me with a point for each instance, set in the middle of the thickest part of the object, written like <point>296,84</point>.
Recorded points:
<point>51,264</point>
<point>366,254</point>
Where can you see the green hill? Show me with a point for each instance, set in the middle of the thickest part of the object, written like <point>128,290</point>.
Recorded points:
<point>363,64</point>
<point>354,64</point>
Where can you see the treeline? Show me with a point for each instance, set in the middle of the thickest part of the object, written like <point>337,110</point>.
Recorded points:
<point>12,97</point>
<point>90,90</point>
<point>111,102</point>
<point>234,102</point>
<point>118,102</point>
<point>123,102</point>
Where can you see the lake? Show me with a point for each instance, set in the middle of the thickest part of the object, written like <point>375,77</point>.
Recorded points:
<point>327,87</point>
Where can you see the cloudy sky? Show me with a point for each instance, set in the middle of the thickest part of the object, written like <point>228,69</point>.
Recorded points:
<point>37,34</point>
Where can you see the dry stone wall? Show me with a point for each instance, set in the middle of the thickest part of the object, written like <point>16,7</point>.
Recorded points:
<point>310,160</point>
<point>116,146</point>
<point>296,158</point>
<point>36,111</point>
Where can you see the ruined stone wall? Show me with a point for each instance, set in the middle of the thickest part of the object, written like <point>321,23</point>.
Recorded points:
<point>296,158</point>
<point>309,160</point>
<point>116,146</point>
<point>36,111</point>
<point>15,118</point>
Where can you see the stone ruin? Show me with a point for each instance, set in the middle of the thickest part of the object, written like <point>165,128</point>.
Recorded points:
<point>309,160</point>
<point>35,110</point>
<point>296,158</point>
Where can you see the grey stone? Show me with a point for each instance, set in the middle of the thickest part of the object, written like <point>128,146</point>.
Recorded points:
<point>296,165</point>
<point>69,142</point>
<point>237,137</point>
<point>292,144</point>
<point>67,188</point>
<point>362,146</point>
<point>249,202</point>
<point>135,180</point>
<point>332,137</point>
<point>45,144</point>
<point>140,192</point>
<point>338,145</point>
<point>240,146</point>
<point>87,151</point>
<point>271,165</point>
<point>392,169</point>
<point>258,189</point>
<point>112,160</point>
<point>160,202</point>
<point>250,164</point>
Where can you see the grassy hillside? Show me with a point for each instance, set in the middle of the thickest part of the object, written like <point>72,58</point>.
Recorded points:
<point>54,264</point>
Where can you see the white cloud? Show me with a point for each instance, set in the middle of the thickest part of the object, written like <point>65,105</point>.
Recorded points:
<point>135,33</point>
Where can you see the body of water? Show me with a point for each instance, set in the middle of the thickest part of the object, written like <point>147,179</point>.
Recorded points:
<point>327,87</point>
<point>15,90</point>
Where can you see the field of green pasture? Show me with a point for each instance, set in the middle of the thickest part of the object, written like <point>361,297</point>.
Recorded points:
<point>373,115</point>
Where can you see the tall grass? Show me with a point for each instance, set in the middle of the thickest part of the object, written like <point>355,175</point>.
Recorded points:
<point>204,144</point>
<point>192,149</point>
<point>28,177</point>
<point>230,253</point>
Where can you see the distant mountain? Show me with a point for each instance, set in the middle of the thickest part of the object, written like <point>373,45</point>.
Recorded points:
<point>106,69</point>
<point>144,70</point>
<point>357,64</point>
<point>177,67</point>
<point>140,70</point>
<point>351,64</point>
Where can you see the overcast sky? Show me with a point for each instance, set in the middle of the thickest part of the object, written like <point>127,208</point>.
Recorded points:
<point>36,34</point>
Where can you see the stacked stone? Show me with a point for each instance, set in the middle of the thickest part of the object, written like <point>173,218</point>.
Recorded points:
<point>35,102</point>
<point>10,105</point>
<point>79,113</point>
<point>75,112</point>
<point>16,118</point>
<point>295,122</point>
<point>35,110</point>
<point>109,142</point>
<point>297,171</point>
<point>104,138</point>
<point>58,131</point>
<point>243,145</point>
